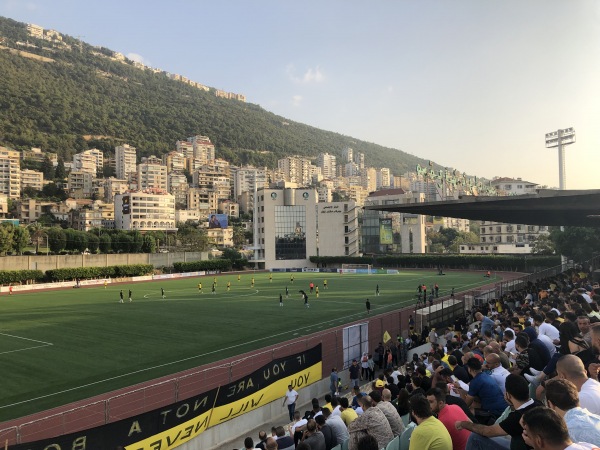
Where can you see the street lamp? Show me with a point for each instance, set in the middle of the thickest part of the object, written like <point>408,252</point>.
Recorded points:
<point>558,139</point>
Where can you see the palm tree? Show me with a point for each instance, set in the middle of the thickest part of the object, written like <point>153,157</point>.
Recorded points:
<point>37,233</point>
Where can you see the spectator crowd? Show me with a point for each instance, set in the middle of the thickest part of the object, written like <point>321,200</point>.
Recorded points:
<point>519,372</point>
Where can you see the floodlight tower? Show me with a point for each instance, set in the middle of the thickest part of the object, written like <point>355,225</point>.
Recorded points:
<point>559,139</point>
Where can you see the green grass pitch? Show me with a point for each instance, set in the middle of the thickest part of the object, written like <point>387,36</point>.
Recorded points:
<point>65,345</point>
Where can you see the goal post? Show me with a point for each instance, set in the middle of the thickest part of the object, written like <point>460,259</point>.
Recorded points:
<point>357,268</point>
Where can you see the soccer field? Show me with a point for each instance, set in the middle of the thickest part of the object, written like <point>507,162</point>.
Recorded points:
<point>65,345</point>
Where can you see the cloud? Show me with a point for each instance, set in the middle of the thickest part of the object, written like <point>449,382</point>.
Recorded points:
<point>138,58</point>
<point>296,100</point>
<point>15,5</point>
<point>311,75</point>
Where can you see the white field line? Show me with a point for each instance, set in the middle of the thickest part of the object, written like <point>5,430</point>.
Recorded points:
<point>44,344</point>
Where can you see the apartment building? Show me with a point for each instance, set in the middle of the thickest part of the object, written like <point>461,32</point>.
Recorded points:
<point>151,175</point>
<point>148,210</point>
<point>10,173</point>
<point>327,163</point>
<point>125,161</point>
<point>297,170</point>
<point>32,179</point>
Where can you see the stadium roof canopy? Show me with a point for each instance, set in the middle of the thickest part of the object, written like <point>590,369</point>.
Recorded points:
<point>578,208</point>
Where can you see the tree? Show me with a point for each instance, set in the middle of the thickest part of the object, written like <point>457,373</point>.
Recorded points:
<point>93,242</point>
<point>6,237</point>
<point>543,245</point>
<point>20,239</point>
<point>578,243</point>
<point>48,169</point>
<point>105,243</point>
<point>138,242</point>
<point>80,241</point>
<point>57,239</point>
<point>37,233</point>
<point>239,236</point>
<point>149,245</point>
<point>60,173</point>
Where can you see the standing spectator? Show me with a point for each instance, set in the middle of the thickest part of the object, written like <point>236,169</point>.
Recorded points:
<point>430,433</point>
<point>290,398</point>
<point>333,382</point>
<point>364,366</point>
<point>371,364</point>
<point>354,371</point>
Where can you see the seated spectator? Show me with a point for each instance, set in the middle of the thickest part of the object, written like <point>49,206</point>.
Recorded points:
<point>328,434</point>
<point>458,371</point>
<point>484,436</point>
<point>262,437</point>
<point>449,415</point>
<point>368,442</point>
<point>337,425</point>
<point>271,444</point>
<point>249,444</point>
<point>313,437</point>
<point>297,427</point>
<point>571,368</point>
<point>357,395</point>
<point>497,372</point>
<point>562,397</point>
<point>483,386</point>
<point>545,429</point>
<point>284,442</point>
<point>382,401</point>
<point>430,433</point>
<point>372,422</point>
<point>348,415</point>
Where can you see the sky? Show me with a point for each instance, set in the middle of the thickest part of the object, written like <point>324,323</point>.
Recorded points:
<point>469,84</point>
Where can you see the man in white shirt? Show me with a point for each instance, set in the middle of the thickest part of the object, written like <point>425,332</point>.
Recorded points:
<point>290,398</point>
<point>545,327</point>
<point>498,373</point>
<point>571,368</point>
<point>395,374</point>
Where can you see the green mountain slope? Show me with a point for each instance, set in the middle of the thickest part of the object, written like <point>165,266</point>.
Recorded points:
<point>58,105</point>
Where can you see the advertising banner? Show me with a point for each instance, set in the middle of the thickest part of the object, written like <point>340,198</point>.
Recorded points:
<point>168,427</point>
<point>386,236</point>
<point>218,221</point>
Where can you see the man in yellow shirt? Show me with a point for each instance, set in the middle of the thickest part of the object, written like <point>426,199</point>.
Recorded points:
<point>348,414</point>
<point>430,434</point>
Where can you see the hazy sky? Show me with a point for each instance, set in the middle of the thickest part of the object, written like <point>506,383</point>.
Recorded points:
<point>470,84</point>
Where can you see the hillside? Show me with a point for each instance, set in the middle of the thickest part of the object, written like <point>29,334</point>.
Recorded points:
<point>84,99</point>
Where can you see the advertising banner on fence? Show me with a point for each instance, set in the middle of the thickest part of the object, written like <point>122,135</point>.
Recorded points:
<point>170,426</point>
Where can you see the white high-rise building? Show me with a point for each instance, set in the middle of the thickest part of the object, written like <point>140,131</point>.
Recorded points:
<point>145,211</point>
<point>126,160</point>
<point>337,223</point>
<point>10,173</point>
<point>85,162</point>
<point>327,164</point>
<point>285,228</point>
<point>200,146</point>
